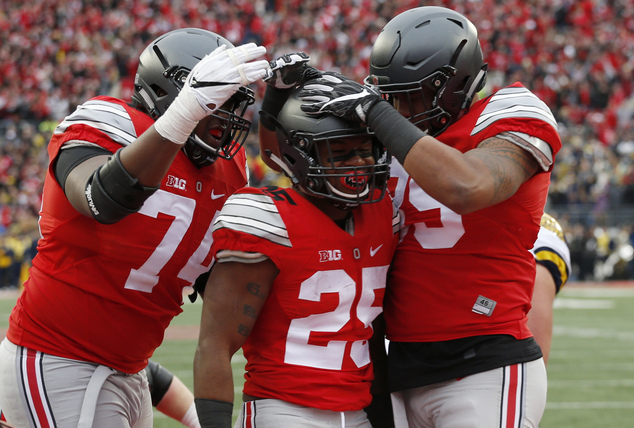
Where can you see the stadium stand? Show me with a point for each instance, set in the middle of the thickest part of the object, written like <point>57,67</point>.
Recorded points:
<point>577,55</point>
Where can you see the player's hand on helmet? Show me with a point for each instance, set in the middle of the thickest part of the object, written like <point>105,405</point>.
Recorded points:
<point>333,93</point>
<point>219,74</point>
<point>290,70</point>
<point>208,86</point>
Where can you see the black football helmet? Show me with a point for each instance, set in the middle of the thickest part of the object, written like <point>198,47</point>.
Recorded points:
<point>429,52</point>
<point>163,69</point>
<point>299,135</point>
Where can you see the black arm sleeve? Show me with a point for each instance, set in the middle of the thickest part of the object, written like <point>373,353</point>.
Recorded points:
<point>112,193</point>
<point>68,159</point>
<point>159,379</point>
<point>393,130</point>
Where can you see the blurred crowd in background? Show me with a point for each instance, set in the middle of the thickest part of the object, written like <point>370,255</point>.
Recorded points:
<point>576,55</point>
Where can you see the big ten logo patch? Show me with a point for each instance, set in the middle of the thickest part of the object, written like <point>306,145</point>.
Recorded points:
<point>177,183</point>
<point>330,255</point>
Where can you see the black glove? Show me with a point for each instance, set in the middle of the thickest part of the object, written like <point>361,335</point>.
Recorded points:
<point>336,94</point>
<point>289,71</point>
<point>283,74</point>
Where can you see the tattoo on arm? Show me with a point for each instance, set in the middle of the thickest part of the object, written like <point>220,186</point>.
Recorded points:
<point>256,290</point>
<point>249,311</point>
<point>509,164</point>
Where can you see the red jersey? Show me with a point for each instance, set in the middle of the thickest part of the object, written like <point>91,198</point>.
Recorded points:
<point>309,345</point>
<point>471,275</point>
<point>106,293</point>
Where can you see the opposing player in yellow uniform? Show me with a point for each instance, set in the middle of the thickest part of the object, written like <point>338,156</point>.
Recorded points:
<point>553,270</point>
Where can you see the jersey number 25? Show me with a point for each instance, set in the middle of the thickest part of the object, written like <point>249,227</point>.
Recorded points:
<point>300,352</point>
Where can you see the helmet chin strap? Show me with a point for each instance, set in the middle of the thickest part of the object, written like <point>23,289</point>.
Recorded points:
<point>281,163</point>
<point>477,82</point>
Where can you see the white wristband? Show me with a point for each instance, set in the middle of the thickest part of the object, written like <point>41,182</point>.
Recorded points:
<point>180,119</point>
<point>191,417</point>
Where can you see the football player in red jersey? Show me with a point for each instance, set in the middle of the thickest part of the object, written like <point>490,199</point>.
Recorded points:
<point>472,178</point>
<point>299,279</point>
<point>552,256</point>
<point>126,218</point>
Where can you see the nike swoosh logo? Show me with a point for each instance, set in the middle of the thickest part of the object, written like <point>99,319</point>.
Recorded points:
<point>374,250</point>
<point>214,196</point>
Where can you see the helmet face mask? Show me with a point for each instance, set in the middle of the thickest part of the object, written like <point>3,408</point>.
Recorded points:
<point>307,147</point>
<point>163,68</point>
<point>433,54</point>
<point>235,131</point>
<point>419,101</point>
<point>347,184</point>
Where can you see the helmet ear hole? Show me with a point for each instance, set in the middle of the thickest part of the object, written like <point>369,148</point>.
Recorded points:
<point>463,84</point>
<point>158,91</point>
<point>289,160</point>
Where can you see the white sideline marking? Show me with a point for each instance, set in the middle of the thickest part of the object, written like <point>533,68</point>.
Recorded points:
<point>593,332</point>
<point>574,354</point>
<point>580,405</point>
<point>598,292</point>
<point>583,304</point>
<point>583,383</point>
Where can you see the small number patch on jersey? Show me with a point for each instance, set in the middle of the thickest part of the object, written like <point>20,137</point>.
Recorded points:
<point>484,306</point>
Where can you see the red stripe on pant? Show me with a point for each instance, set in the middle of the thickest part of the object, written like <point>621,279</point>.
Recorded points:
<point>34,390</point>
<point>511,409</point>
<point>249,414</point>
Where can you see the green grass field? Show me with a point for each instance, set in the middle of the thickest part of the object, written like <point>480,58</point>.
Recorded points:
<point>591,368</point>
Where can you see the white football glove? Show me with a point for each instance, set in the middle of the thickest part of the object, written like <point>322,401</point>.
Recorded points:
<point>208,86</point>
